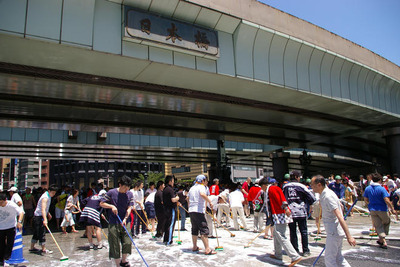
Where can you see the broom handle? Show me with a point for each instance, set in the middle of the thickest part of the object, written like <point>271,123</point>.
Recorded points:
<point>215,227</point>
<point>256,237</point>
<point>179,232</point>
<point>141,219</point>
<point>55,240</point>
<point>221,224</point>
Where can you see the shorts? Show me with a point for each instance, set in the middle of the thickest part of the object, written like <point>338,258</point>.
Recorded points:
<point>199,223</point>
<point>117,236</point>
<point>59,213</point>
<point>151,212</point>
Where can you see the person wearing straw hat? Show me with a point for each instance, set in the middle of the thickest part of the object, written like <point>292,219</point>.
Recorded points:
<point>119,202</point>
<point>40,220</point>
<point>197,199</point>
<point>8,221</point>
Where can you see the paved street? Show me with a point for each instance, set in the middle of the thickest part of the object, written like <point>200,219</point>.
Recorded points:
<point>366,253</point>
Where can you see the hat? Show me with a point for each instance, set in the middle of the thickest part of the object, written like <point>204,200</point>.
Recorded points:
<point>102,192</point>
<point>337,177</point>
<point>13,189</point>
<point>287,176</point>
<point>200,178</point>
<point>308,180</point>
<point>272,181</point>
<point>258,181</point>
<point>384,178</point>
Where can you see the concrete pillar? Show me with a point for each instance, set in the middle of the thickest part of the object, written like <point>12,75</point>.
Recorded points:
<point>280,164</point>
<point>392,137</point>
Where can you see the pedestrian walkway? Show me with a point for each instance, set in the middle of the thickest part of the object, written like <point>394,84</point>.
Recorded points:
<point>233,253</point>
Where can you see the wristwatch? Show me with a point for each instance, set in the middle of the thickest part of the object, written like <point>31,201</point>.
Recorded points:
<point>19,221</point>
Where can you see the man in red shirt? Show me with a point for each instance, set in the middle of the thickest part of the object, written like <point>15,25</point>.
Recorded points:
<point>214,189</point>
<point>281,216</point>
<point>245,191</point>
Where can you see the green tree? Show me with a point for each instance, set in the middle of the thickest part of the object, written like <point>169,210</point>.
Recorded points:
<point>152,177</point>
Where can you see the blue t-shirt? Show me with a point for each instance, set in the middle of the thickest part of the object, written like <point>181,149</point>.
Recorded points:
<point>338,189</point>
<point>121,201</point>
<point>375,194</point>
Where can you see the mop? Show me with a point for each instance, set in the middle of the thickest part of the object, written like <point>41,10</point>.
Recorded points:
<point>232,235</point>
<point>263,231</point>
<point>216,234</point>
<point>127,232</point>
<point>63,258</point>
<point>179,241</point>
<point>348,212</point>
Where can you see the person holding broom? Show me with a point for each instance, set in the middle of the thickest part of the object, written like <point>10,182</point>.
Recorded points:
<point>332,216</point>
<point>197,200</point>
<point>120,202</point>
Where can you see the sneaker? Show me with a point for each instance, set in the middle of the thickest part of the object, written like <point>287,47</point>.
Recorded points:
<point>46,251</point>
<point>34,250</point>
<point>124,264</point>
<point>307,254</point>
<point>99,246</point>
<point>91,246</point>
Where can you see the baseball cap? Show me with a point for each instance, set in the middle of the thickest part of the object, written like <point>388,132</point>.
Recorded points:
<point>287,176</point>
<point>385,177</point>
<point>102,192</point>
<point>272,180</point>
<point>13,189</point>
<point>200,178</point>
<point>337,177</point>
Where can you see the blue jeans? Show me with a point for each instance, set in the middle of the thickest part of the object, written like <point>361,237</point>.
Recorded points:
<point>182,213</point>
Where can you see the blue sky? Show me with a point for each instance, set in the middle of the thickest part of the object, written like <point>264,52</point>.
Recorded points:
<point>373,24</point>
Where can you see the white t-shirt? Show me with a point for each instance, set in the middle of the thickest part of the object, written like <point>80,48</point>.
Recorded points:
<point>150,191</point>
<point>16,198</point>
<point>8,215</point>
<point>196,202</point>
<point>150,198</point>
<point>138,197</point>
<point>329,202</point>
<point>38,211</point>
<point>236,199</point>
<point>214,201</point>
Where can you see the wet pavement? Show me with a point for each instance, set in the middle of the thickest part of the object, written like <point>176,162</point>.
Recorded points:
<point>365,254</point>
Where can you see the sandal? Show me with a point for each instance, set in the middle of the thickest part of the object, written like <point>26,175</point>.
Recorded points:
<point>196,250</point>
<point>383,246</point>
<point>212,252</point>
<point>124,264</point>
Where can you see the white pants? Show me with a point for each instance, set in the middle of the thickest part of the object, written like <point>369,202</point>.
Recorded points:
<point>238,211</point>
<point>71,222</point>
<point>280,240</point>
<point>221,209</point>
<point>258,221</point>
<point>333,251</point>
<point>209,224</point>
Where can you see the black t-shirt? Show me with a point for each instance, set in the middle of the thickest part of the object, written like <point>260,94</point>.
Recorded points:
<point>158,200</point>
<point>169,193</point>
<point>182,198</point>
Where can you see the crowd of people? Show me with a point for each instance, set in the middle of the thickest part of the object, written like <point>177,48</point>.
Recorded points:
<point>129,210</point>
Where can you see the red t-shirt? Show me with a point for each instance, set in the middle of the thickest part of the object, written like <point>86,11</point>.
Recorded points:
<point>245,186</point>
<point>214,190</point>
<point>253,192</point>
<point>276,199</point>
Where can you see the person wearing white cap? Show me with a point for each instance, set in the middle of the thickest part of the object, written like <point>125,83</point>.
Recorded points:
<point>197,199</point>
<point>15,197</point>
<point>91,217</point>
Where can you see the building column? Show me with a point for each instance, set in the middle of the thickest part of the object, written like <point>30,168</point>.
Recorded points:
<point>392,137</point>
<point>280,164</point>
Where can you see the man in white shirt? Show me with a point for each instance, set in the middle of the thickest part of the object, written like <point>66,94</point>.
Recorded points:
<point>332,216</point>
<point>8,220</point>
<point>138,197</point>
<point>236,200</point>
<point>15,197</point>
<point>197,200</point>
